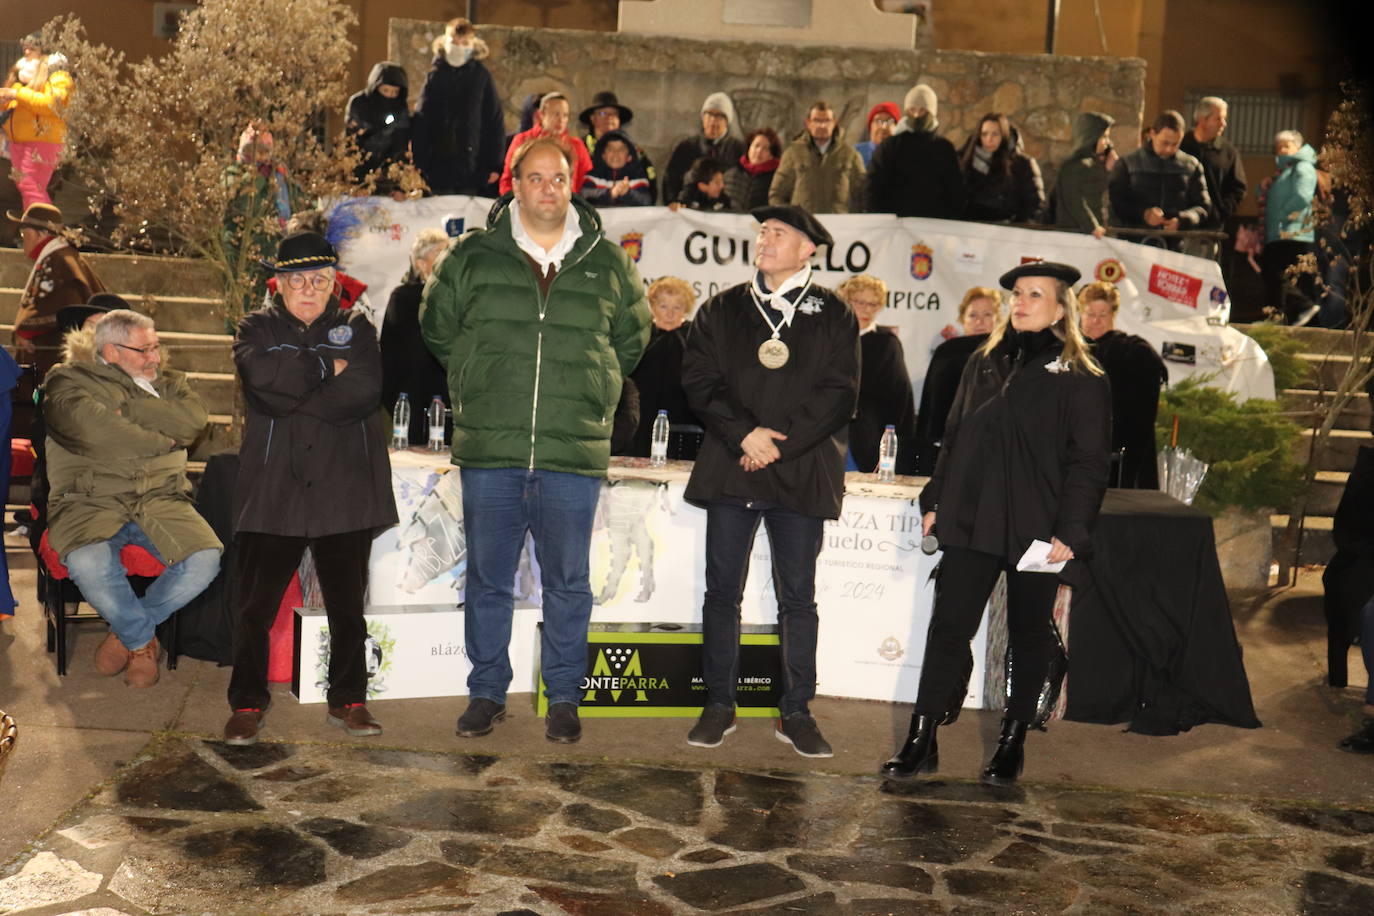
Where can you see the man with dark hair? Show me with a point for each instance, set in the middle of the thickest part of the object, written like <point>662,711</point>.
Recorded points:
<point>819,171</point>
<point>772,370</point>
<point>1158,186</point>
<point>537,318</point>
<point>1219,157</point>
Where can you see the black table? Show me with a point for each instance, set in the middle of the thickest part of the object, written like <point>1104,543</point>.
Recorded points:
<point>1151,640</point>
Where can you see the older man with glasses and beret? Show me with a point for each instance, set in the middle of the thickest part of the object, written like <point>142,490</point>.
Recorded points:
<point>313,472</point>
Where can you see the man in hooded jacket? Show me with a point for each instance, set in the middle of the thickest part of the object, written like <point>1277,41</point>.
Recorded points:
<point>459,131</point>
<point>379,120</point>
<point>1079,194</point>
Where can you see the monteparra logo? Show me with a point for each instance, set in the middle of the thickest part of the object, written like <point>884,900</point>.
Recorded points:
<point>618,669</point>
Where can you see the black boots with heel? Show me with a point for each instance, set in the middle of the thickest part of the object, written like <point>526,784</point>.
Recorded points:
<point>918,753</point>
<point>1009,758</point>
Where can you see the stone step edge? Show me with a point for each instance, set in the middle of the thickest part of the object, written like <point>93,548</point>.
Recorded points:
<point>183,336</point>
<point>1309,523</point>
<point>136,298</point>
<point>1321,392</point>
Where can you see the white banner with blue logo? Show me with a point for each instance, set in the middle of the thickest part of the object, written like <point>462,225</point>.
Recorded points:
<point>1176,302</point>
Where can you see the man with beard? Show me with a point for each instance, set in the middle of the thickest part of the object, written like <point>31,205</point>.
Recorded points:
<point>772,370</point>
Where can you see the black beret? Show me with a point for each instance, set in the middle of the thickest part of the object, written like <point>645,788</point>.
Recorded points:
<point>1065,272</point>
<point>74,316</point>
<point>798,219</point>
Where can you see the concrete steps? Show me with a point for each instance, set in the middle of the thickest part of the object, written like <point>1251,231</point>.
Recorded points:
<point>138,275</point>
<point>184,313</point>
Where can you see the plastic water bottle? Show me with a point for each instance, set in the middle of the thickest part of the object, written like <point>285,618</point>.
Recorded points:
<point>400,423</point>
<point>658,452</point>
<point>887,455</point>
<point>437,413</point>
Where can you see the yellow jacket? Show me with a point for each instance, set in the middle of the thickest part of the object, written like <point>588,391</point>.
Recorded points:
<point>37,114</point>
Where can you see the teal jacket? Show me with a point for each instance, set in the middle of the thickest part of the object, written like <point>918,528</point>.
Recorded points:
<point>1288,205</point>
<point>534,380</point>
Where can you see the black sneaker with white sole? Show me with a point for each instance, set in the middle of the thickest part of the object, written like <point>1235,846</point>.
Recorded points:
<point>800,731</point>
<point>715,723</point>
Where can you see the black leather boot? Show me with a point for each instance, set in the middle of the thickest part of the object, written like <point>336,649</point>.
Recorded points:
<point>918,753</point>
<point>1008,759</point>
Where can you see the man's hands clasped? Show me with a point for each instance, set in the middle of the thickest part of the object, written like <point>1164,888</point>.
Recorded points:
<point>759,448</point>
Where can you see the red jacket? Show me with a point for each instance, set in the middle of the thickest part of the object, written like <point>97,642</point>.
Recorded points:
<point>582,162</point>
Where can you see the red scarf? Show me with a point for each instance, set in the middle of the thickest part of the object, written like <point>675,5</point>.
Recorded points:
<point>769,165</point>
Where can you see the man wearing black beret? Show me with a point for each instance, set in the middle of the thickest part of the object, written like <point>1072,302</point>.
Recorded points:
<point>772,370</point>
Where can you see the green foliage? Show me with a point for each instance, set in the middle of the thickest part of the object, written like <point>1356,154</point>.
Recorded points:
<point>1249,446</point>
<point>1282,348</point>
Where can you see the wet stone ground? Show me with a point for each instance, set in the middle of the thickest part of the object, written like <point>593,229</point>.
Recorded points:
<point>197,827</point>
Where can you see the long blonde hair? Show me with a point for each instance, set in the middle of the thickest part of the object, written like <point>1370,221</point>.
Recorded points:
<point>1075,353</point>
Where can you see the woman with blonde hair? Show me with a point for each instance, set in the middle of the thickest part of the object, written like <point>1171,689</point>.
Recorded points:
<point>658,377</point>
<point>1025,460</point>
<point>885,395</point>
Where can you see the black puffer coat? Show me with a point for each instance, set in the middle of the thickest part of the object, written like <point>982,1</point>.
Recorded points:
<point>916,173</point>
<point>1176,185</point>
<point>459,130</point>
<point>380,126</point>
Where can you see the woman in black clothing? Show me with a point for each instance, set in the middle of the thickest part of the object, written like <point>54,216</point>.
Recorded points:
<point>978,314</point>
<point>748,180</point>
<point>885,396</point>
<point>1001,183</point>
<point>1025,459</point>
<point>658,376</point>
<point>407,364</point>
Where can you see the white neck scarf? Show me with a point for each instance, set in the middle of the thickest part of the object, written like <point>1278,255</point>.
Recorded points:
<point>776,298</point>
<point>553,257</point>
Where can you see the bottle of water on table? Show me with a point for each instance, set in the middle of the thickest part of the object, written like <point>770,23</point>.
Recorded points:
<point>400,423</point>
<point>887,455</point>
<point>437,413</point>
<point>658,451</point>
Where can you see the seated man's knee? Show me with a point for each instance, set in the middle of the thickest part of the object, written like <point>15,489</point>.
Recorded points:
<point>202,566</point>
<point>90,560</point>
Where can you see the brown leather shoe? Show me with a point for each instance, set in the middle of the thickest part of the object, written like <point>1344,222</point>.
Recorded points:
<point>243,727</point>
<point>354,719</point>
<point>142,671</point>
<point>111,658</point>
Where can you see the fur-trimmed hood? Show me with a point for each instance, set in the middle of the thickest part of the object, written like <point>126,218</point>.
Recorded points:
<point>79,346</point>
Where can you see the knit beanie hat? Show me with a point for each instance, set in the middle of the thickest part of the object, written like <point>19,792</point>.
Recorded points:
<point>921,96</point>
<point>888,108</point>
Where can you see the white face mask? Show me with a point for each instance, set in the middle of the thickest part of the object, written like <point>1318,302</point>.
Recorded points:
<point>456,55</point>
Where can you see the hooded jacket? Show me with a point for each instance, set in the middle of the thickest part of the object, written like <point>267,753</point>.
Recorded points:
<point>1288,205</point>
<point>534,377</point>
<point>597,188</point>
<point>381,126</point>
<point>829,182</point>
<point>38,114</point>
<point>313,460</point>
<point>117,454</point>
<point>1080,191</point>
<point>458,130</point>
<point>1176,185</point>
<point>916,173</point>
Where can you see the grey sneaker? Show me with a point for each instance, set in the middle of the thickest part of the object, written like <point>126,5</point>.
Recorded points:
<point>480,718</point>
<point>717,721</point>
<point>562,724</point>
<point>800,731</point>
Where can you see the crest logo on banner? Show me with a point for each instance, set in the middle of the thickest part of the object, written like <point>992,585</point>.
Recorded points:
<point>890,649</point>
<point>922,261</point>
<point>633,243</point>
<point>1174,285</point>
<point>1109,270</point>
<point>1217,295</point>
<point>618,669</point>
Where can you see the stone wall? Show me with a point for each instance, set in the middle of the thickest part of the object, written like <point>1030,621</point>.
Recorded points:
<point>664,81</point>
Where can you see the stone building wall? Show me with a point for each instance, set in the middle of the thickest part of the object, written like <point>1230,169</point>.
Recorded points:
<point>664,81</point>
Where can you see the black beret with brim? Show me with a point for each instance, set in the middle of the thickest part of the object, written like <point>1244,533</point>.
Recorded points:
<point>74,316</point>
<point>1064,272</point>
<point>798,219</point>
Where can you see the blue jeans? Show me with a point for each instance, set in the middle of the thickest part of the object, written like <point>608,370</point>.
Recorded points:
<point>96,570</point>
<point>499,506</point>
<point>795,542</point>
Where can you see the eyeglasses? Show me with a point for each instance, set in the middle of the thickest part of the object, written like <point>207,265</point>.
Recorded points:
<point>145,351</point>
<point>299,281</point>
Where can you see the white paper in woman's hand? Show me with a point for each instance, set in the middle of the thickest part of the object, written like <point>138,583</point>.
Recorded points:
<point>1037,559</point>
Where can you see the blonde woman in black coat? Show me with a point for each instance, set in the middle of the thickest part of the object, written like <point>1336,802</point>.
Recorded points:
<point>1025,458</point>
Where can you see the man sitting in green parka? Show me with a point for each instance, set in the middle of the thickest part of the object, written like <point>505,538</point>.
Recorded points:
<point>537,320</point>
<point>118,427</point>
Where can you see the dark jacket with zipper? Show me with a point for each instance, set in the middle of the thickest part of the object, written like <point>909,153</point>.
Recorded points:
<point>1025,451</point>
<point>534,374</point>
<point>1176,185</point>
<point>313,460</point>
<point>811,399</point>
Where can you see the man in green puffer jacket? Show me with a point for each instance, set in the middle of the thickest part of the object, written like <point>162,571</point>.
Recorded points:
<point>537,319</point>
<point>118,427</point>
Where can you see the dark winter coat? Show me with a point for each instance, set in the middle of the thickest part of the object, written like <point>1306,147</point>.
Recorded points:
<point>459,130</point>
<point>693,198</point>
<point>1136,372</point>
<point>1079,196</point>
<point>748,186</point>
<point>313,460</point>
<point>1026,451</point>
<point>811,400</point>
<point>659,380</point>
<point>916,173</point>
<point>597,187</point>
<point>380,126</point>
<point>885,397</point>
<point>726,151</point>
<point>534,377</point>
<point>996,196</point>
<point>1176,185</point>
<point>407,364</point>
<point>1225,173</point>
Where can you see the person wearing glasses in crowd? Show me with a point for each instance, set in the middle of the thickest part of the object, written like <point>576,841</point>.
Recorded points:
<point>313,472</point>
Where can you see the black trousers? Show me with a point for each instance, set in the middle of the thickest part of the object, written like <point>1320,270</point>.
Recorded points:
<point>263,568</point>
<point>966,579</point>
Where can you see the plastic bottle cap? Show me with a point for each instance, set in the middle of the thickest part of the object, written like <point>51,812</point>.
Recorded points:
<point>663,413</point>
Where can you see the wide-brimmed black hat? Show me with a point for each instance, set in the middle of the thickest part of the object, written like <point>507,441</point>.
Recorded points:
<point>605,100</point>
<point>1064,272</point>
<point>302,251</point>
<point>44,217</point>
<point>74,316</point>
<point>799,219</point>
